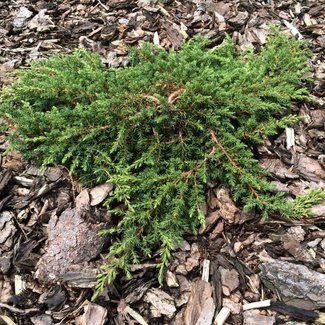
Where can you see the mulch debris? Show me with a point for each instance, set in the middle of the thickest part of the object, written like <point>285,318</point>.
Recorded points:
<point>49,248</point>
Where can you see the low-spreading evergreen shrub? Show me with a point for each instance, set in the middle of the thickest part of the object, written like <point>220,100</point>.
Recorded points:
<point>160,130</point>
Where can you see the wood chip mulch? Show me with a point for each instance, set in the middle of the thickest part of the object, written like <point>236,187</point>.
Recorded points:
<point>239,269</point>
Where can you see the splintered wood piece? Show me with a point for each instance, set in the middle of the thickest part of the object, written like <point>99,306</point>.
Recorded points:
<point>290,138</point>
<point>18,310</point>
<point>293,30</point>
<point>206,270</point>
<point>156,40</point>
<point>171,280</point>
<point>257,304</point>
<point>7,320</point>
<point>20,284</point>
<point>135,315</point>
<point>24,181</point>
<point>123,308</point>
<point>222,316</point>
<point>39,189</point>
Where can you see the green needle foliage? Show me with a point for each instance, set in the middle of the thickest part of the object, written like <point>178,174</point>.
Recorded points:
<point>160,130</point>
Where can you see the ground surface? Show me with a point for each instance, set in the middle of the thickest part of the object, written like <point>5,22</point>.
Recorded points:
<point>49,250</point>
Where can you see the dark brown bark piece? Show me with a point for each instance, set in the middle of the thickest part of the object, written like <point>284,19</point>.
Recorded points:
<point>42,320</point>
<point>7,231</point>
<point>278,168</point>
<point>24,258</point>
<point>294,247</point>
<point>309,168</point>
<point>139,291</point>
<point>84,278</point>
<point>40,189</point>
<point>121,4</point>
<point>317,118</point>
<point>5,177</point>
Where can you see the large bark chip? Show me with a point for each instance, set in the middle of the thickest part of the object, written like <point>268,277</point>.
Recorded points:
<point>71,241</point>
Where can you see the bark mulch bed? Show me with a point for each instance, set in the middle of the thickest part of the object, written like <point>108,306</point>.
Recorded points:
<point>49,248</point>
